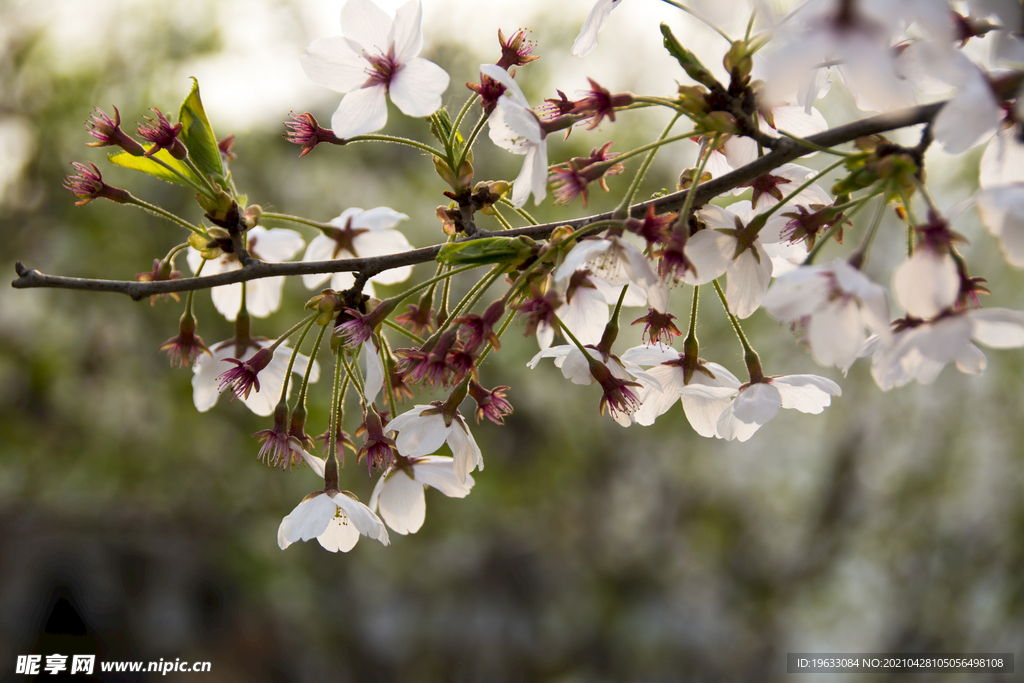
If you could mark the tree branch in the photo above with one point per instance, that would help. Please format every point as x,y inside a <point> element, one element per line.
<point>784,150</point>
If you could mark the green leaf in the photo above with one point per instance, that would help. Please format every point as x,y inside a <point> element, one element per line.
<point>175,171</point>
<point>197,134</point>
<point>486,250</point>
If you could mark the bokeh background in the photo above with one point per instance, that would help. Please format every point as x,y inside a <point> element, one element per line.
<point>133,527</point>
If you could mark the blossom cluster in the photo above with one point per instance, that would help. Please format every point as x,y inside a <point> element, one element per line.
<point>569,281</point>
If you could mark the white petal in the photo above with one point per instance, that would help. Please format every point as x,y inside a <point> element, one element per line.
<point>757,404</point>
<point>711,253</point>
<point>438,471</point>
<point>999,328</point>
<point>586,41</point>
<point>316,464</point>
<point>339,536</point>
<point>968,118</point>
<point>408,33</point>
<point>730,428</point>
<point>418,435</point>
<point>330,62</point>
<point>367,24</point>
<point>927,283</point>
<point>308,520</point>
<point>748,281</point>
<point>402,504</point>
<point>467,456</point>
<point>320,248</point>
<point>276,245</point>
<point>704,412</point>
<point>1003,160</point>
<point>806,393</point>
<point>373,370</point>
<point>361,111</point>
<point>417,87</point>
<point>362,517</point>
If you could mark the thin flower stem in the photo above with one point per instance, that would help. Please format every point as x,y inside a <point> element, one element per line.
<point>471,140</point>
<point>692,334</point>
<point>860,257</point>
<point>301,402</point>
<point>398,328</point>
<point>684,213</point>
<point>435,119</point>
<point>355,377</point>
<point>704,20</point>
<point>336,403</point>
<point>295,219</point>
<point>501,219</point>
<point>462,115</point>
<point>191,293</point>
<point>474,294</point>
<point>174,252</point>
<point>292,330</point>
<point>522,212</point>
<point>163,213</point>
<point>214,191</point>
<point>627,199</point>
<point>392,403</point>
<point>656,144</point>
<point>750,356</point>
<point>803,186</point>
<point>651,101</point>
<point>750,26</point>
<point>291,360</point>
<point>927,196</point>
<point>397,140</point>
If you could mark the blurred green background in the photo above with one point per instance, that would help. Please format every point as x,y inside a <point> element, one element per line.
<point>133,527</point>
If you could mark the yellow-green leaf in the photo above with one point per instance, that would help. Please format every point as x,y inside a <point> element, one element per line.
<point>174,172</point>
<point>197,134</point>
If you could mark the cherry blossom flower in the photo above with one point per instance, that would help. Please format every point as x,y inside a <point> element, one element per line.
<point>928,282</point>
<point>359,234</point>
<point>375,56</point>
<point>336,521</point>
<point>108,133</point>
<point>586,41</point>
<point>755,404</point>
<point>424,429</point>
<point>209,367</point>
<point>616,376</point>
<point>89,185</point>
<point>514,126</point>
<point>921,350</point>
<point>726,247</point>
<point>262,296</point>
<point>399,493</point>
<point>836,303</point>
<point>618,263</point>
<point>670,370</point>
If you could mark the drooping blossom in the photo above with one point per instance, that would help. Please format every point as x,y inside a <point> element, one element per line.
<point>262,296</point>
<point>754,404</point>
<point>513,126</point>
<point>922,349</point>
<point>424,429</point>
<point>399,493</point>
<point>836,303</point>
<point>335,520</point>
<point>358,234</point>
<point>670,368</point>
<point>209,367</point>
<point>618,263</point>
<point>375,57</point>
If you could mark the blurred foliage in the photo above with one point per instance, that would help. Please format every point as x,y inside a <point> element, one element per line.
<point>136,528</point>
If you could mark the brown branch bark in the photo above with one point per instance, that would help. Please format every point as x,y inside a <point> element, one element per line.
<point>783,151</point>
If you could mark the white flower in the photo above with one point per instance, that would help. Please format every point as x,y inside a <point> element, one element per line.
<point>514,126</point>
<point>422,430</point>
<point>1003,160</point>
<point>713,252</point>
<point>614,379</point>
<point>836,302</point>
<point>670,372</point>
<point>208,368</point>
<point>585,311</point>
<point>586,41</point>
<point>618,263</point>
<point>336,521</point>
<point>398,495</point>
<point>375,56</point>
<point>1002,210</point>
<point>262,296</point>
<point>927,283</point>
<point>359,234</point>
<point>757,403</point>
<point>919,353</point>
